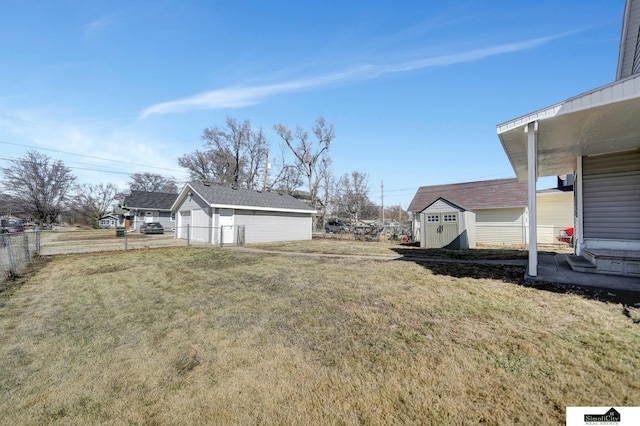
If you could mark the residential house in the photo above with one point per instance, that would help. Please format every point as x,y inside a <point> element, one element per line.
<point>596,136</point>
<point>109,221</point>
<point>141,206</point>
<point>217,214</point>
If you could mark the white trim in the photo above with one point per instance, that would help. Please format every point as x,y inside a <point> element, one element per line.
<point>618,91</point>
<point>531,130</point>
<point>264,209</point>
<point>525,120</point>
<point>594,243</point>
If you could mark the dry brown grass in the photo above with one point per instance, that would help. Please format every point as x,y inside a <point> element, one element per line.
<point>392,249</point>
<point>210,336</point>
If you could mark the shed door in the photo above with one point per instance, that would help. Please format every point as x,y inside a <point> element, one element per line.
<point>441,229</point>
<point>226,225</point>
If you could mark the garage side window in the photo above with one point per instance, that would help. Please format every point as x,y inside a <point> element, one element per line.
<point>450,218</point>
<point>433,218</point>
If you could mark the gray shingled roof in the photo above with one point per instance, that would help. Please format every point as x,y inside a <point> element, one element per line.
<point>226,195</point>
<point>149,200</point>
<point>487,194</point>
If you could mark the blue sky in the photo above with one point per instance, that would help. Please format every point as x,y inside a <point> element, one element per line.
<point>414,88</point>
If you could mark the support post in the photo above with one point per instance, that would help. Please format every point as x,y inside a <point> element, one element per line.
<point>532,153</point>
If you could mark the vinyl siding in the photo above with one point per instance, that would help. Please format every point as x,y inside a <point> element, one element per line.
<point>469,223</point>
<point>611,193</point>
<point>631,55</point>
<point>500,226</point>
<point>273,226</point>
<point>555,212</point>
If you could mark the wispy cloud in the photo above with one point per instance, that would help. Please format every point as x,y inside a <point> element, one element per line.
<point>98,26</point>
<point>239,96</point>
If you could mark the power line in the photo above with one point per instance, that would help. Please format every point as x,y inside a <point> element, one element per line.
<point>90,156</point>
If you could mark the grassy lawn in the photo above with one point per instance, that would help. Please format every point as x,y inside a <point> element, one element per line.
<point>392,249</point>
<point>210,336</point>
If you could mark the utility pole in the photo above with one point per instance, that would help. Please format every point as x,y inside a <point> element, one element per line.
<point>382,197</point>
<point>266,171</point>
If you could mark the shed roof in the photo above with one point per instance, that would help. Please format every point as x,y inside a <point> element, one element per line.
<point>486,194</point>
<point>149,200</point>
<point>226,196</point>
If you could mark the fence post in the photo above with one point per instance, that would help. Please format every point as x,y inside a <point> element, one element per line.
<point>26,247</point>
<point>37,231</point>
<point>12,262</point>
<point>188,234</point>
<point>126,240</point>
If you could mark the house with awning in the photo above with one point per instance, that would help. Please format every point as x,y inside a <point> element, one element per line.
<point>596,136</point>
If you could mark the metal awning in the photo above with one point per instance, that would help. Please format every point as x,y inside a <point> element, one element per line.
<point>603,120</point>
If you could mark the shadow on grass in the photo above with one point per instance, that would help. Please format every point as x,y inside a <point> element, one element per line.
<point>515,275</point>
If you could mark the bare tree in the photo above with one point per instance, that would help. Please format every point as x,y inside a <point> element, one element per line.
<point>202,165</point>
<point>39,184</point>
<point>352,197</point>
<point>310,156</point>
<point>94,201</point>
<point>286,176</point>
<point>236,154</point>
<point>152,182</point>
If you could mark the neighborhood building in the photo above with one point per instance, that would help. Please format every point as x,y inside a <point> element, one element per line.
<point>596,136</point>
<point>109,221</point>
<point>490,212</point>
<point>141,206</point>
<point>227,215</point>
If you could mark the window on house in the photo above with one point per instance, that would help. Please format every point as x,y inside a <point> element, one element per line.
<point>173,217</point>
<point>433,218</point>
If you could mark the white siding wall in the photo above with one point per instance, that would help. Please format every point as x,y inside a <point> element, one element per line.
<point>555,212</point>
<point>469,223</point>
<point>263,227</point>
<point>500,226</point>
<point>416,226</point>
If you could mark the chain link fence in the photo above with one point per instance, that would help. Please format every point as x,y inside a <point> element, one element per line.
<point>219,236</point>
<point>16,251</point>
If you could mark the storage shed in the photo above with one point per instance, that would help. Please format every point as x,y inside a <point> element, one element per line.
<point>446,225</point>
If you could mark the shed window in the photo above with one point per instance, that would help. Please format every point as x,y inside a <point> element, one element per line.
<point>450,218</point>
<point>433,218</point>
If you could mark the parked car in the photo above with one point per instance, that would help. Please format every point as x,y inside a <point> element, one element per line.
<point>12,228</point>
<point>566,236</point>
<point>336,227</point>
<point>151,228</point>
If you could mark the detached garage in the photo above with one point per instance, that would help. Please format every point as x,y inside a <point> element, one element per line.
<point>222,215</point>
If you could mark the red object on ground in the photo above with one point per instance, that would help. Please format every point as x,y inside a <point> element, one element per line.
<point>566,235</point>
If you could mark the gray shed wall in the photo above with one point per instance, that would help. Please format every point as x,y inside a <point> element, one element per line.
<point>263,227</point>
